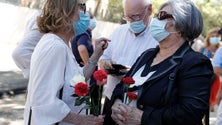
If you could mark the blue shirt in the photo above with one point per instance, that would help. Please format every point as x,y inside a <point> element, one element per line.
<point>217,60</point>
<point>82,39</point>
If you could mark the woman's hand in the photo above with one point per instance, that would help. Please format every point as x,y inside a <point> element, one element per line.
<point>83,119</point>
<point>123,114</point>
<point>100,45</point>
<point>133,115</point>
<point>119,112</point>
<point>90,120</point>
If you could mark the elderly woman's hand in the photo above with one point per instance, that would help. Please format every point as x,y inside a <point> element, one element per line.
<point>91,120</point>
<point>118,112</point>
<point>100,45</point>
<point>123,114</point>
<point>133,115</point>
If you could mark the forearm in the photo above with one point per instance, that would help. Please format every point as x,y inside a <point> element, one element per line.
<point>218,71</point>
<point>90,67</point>
<point>72,118</point>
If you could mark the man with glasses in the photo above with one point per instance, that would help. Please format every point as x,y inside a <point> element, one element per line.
<point>128,41</point>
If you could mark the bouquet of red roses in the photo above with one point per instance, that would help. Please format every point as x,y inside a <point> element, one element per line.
<point>82,92</point>
<point>129,96</point>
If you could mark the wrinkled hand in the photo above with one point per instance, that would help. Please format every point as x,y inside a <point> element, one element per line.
<point>91,120</point>
<point>119,112</point>
<point>105,64</point>
<point>133,115</point>
<point>123,114</point>
<point>100,45</point>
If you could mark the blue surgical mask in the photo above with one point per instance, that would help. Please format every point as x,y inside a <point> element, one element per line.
<point>137,27</point>
<point>92,23</point>
<point>214,40</point>
<point>157,29</point>
<point>82,24</point>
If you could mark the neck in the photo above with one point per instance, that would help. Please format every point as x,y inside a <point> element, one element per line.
<point>168,48</point>
<point>212,48</point>
<point>64,36</point>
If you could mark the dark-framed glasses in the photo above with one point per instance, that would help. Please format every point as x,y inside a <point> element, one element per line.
<point>162,15</point>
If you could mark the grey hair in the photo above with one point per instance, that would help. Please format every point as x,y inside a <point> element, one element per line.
<point>188,19</point>
<point>146,2</point>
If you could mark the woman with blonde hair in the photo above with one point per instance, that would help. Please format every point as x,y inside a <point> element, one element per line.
<point>49,100</point>
<point>212,43</point>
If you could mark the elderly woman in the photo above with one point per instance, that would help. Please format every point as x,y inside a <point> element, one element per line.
<point>49,99</point>
<point>172,82</point>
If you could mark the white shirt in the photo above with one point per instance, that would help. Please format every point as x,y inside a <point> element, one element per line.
<point>23,52</point>
<point>52,67</point>
<point>124,49</point>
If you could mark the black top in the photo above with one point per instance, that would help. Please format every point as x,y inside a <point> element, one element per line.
<point>190,94</point>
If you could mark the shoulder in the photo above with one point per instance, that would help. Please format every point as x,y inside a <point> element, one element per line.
<point>52,42</point>
<point>192,58</point>
<point>121,28</point>
<point>219,50</point>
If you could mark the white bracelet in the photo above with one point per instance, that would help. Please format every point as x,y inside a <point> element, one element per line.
<point>92,63</point>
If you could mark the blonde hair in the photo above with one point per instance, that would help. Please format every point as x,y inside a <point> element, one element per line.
<point>57,15</point>
<point>210,33</point>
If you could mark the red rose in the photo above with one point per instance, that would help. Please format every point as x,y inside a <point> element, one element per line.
<point>132,95</point>
<point>101,83</point>
<point>128,80</point>
<point>81,89</point>
<point>100,75</point>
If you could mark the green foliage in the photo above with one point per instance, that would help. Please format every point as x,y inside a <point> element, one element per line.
<point>210,9</point>
<point>211,12</point>
<point>115,11</point>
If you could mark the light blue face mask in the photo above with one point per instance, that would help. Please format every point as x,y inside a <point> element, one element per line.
<point>157,29</point>
<point>214,40</point>
<point>82,24</point>
<point>92,23</point>
<point>137,27</point>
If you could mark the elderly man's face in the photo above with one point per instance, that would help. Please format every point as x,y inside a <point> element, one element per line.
<point>135,10</point>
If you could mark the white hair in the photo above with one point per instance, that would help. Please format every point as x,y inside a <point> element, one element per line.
<point>146,2</point>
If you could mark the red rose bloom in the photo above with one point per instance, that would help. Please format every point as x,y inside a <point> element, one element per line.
<point>132,95</point>
<point>128,80</point>
<point>81,89</point>
<point>100,75</point>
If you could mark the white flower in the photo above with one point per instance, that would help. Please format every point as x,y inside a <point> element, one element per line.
<point>76,79</point>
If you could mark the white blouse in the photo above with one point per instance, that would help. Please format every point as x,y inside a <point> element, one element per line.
<point>52,67</point>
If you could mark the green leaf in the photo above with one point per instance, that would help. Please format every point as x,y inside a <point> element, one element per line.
<point>79,101</point>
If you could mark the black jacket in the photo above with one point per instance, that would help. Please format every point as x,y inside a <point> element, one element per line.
<point>188,98</point>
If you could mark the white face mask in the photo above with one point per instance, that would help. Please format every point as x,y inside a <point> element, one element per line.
<point>157,29</point>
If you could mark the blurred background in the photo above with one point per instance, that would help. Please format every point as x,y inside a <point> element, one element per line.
<point>14,15</point>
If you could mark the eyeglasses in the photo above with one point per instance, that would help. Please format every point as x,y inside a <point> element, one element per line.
<point>135,17</point>
<point>162,15</point>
